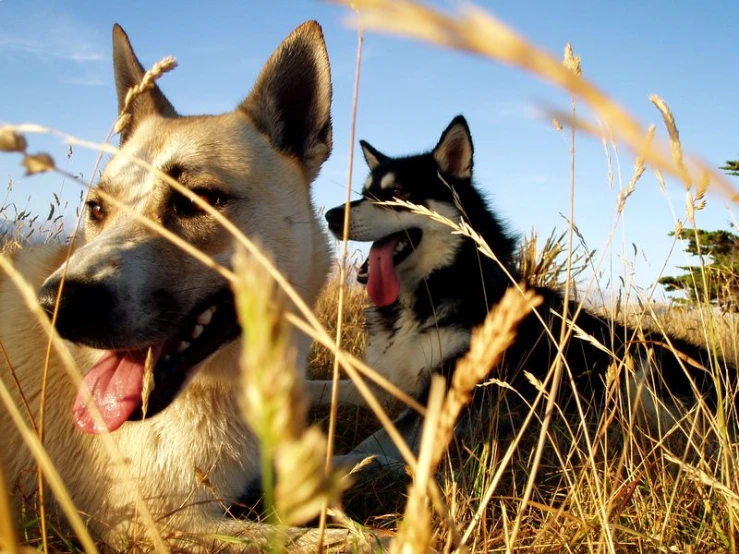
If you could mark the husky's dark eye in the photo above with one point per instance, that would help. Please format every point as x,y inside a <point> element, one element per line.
<point>95,211</point>
<point>188,208</point>
<point>398,192</point>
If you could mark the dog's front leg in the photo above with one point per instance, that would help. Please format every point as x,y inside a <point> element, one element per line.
<point>319,392</point>
<point>382,449</point>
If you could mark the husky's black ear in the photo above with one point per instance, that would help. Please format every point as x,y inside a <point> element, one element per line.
<point>372,155</point>
<point>454,151</point>
<point>128,73</point>
<point>291,100</point>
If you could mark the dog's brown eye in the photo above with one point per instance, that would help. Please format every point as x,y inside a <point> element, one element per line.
<point>188,208</point>
<point>95,210</point>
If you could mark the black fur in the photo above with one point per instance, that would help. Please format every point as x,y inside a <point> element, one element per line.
<point>472,284</point>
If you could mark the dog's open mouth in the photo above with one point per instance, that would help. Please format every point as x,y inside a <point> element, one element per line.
<point>116,381</point>
<point>379,270</point>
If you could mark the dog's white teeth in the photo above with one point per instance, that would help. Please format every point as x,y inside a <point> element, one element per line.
<point>206,316</point>
<point>400,246</point>
<point>196,331</point>
<point>184,345</point>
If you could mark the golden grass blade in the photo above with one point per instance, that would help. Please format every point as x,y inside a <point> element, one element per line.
<point>47,466</point>
<point>476,31</point>
<point>342,282</point>
<point>8,540</point>
<point>487,345</point>
<point>145,84</point>
<point>701,476</point>
<point>275,405</point>
<point>414,535</point>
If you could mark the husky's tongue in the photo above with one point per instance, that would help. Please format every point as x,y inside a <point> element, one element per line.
<point>115,383</point>
<point>383,286</point>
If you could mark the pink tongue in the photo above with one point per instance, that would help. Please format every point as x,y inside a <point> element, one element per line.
<point>115,383</point>
<point>383,286</point>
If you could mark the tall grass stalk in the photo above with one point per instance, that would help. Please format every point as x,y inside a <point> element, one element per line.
<point>571,63</point>
<point>343,264</point>
<point>8,539</point>
<point>275,407</point>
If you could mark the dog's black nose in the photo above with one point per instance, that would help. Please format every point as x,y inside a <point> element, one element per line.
<point>335,219</point>
<point>83,309</point>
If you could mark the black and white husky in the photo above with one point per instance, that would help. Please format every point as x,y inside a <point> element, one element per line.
<point>429,287</point>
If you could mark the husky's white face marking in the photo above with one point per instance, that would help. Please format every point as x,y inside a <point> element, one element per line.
<point>387,181</point>
<point>371,222</point>
<point>438,246</point>
<point>411,351</point>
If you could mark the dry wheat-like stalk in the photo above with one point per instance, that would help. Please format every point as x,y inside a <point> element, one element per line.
<point>487,345</point>
<point>274,401</point>
<point>12,141</point>
<point>274,404</point>
<point>571,61</point>
<point>342,268</point>
<point>145,85</point>
<point>475,30</point>
<point>8,540</point>
<point>639,169</point>
<point>675,147</point>
<point>462,228</point>
<point>414,533</point>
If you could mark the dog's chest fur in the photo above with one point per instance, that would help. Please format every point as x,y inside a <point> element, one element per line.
<point>405,349</point>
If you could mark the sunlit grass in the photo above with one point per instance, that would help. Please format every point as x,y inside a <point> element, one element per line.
<point>601,485</point>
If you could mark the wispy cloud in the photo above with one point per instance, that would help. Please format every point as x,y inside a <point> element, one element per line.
<point>53,45</point>
<point>58,38</point>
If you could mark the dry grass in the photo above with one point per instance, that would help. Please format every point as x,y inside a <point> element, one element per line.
<point>584,482</point>
<point>354,336</point>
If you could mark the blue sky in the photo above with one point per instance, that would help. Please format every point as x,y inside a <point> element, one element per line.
<point>55,69</point>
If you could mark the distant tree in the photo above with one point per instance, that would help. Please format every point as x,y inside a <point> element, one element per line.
<point>731,167</point>
<point>718,281</point>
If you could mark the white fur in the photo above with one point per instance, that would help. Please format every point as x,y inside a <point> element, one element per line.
<point>407,355</point>
<point>387,181</point>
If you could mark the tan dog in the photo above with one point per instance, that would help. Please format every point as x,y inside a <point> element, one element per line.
<point>128,291</point>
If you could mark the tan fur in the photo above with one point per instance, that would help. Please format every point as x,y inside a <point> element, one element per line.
<point>201,432</point>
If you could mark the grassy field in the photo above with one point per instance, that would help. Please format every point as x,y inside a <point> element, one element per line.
<point>582,482</point>
<point>596,491</point>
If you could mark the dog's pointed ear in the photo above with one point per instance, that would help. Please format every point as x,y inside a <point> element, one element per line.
<point>291,100</point>
<point>128,73</point>
<point>372,155</point>
<point>454,151</point>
